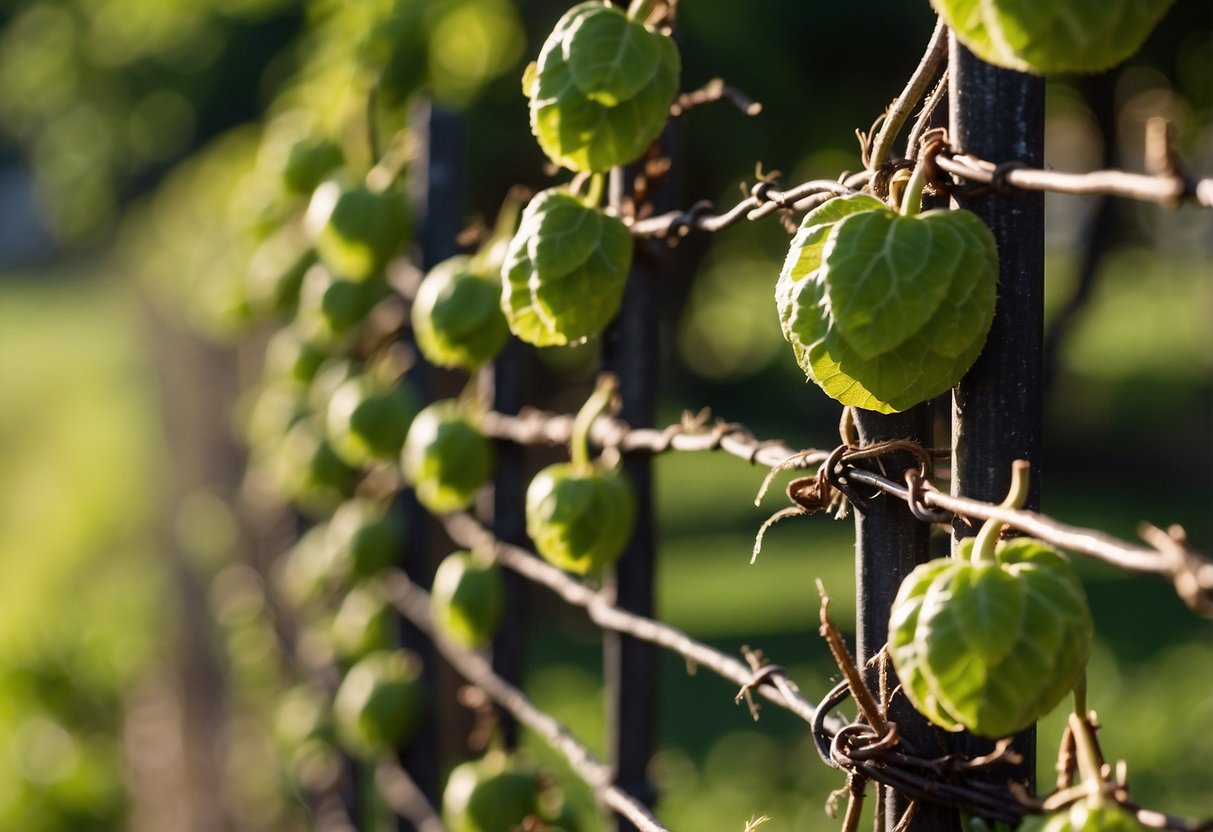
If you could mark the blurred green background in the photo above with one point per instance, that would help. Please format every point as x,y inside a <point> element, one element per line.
<point>126,554</point>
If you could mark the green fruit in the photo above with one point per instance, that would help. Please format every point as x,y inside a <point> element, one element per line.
<point>304,573</point>
<point>368,421</point>
<point>1084,816</point>
<point>884,311</point>
<point>565,270</point>
<point>363,623</point>
<point>990,646</point>
<point>275,273</point>
<point>364,538</point>
<point>580,519</point>
<point>468,597</point>
<point>309,162</point>
<point>359,229</point>
<point>331,307</point>
<point>494,794</point>
<point>307,470</point>
<point>601,90</point>
<point>291,356</point>
<point>1047,37</point>
<point>457,316</point>
<point>445,458</point>
<point>378,705</point>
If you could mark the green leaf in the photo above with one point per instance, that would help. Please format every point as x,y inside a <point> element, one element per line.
<point>885,311</point>
<point>1048,37</point>
<point>610,57</point>
<point>565,270</point>
<point>990,647</point>
<point>601,90</point>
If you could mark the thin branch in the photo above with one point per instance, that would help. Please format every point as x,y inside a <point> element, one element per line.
<point>712,91</point>
<point>414,604</point>
<point>916,89</point>
<point>467,532</point>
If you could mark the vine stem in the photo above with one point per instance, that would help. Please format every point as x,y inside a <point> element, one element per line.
<point>595,406</point>
<point>916,89</point>
<point>1090,766</point>
<point>911,201</point>
<point>987,538</point>
<point>639,9</point>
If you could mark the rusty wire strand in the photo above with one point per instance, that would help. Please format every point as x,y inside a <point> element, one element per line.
<point>1167,553</point>
<point>465,531</point>
<point>1164,188</point>
<point>404,797</point>
<point>414,604</point>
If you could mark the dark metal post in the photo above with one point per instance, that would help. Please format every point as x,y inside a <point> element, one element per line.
<point>889,543</point>
<point>509,524</point>
<point>438,197</point>
<point>630,350</point>
<point>998,115</point>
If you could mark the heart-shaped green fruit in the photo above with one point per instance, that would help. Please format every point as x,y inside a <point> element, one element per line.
<point>565,270</point>
<point>601,90</point>
<point>468,598</point>
<point>364,537</point>
<point>457,316</point>
<point>308,162</point>
<point>331,307</point>
<point>990,646</point>
<point>1047,37</point>
<point>379,703</point>
<point>445,458</point>
<point>363,623</point>
<point>494,794</point>
<point>304,467</point>
<point>368,420</point>
<point>579,518</point>
<point>1083,816</point>
<point>357,230</point>
<point>884,311</point>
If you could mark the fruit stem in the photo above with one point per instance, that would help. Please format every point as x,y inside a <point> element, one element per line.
<point>911,200</point>
<point>595,406</point>
<point>488,259</point>
<point>594,188</point>
<point>987,538</point>
<point>1090,762</point>
<point>639,9</point>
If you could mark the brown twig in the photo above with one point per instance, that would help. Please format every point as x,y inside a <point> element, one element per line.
<point>404,797</point>
<point>916,89</point>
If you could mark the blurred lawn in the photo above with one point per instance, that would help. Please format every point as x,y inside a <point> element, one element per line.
<point>80,589</point>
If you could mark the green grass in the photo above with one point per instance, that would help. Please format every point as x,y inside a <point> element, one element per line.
<point>79,468</point>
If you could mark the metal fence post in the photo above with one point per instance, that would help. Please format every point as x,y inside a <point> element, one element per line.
<point>889,543</point>
<point>999,115</point>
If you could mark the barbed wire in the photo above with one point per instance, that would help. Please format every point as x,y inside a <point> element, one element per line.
<point>404,797</point>
<point>774,686</point>
<point>694,432</point>
<point>1168,186</point>
<point>874,752</point>
<point>413,603</point>
<point>1166,554</point>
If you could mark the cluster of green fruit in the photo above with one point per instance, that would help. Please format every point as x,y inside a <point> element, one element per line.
<point>337,429</point>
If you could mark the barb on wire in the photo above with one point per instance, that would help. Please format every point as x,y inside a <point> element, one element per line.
<point>414,604</point>
<point>712,91</point>
<point>775,687</point>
